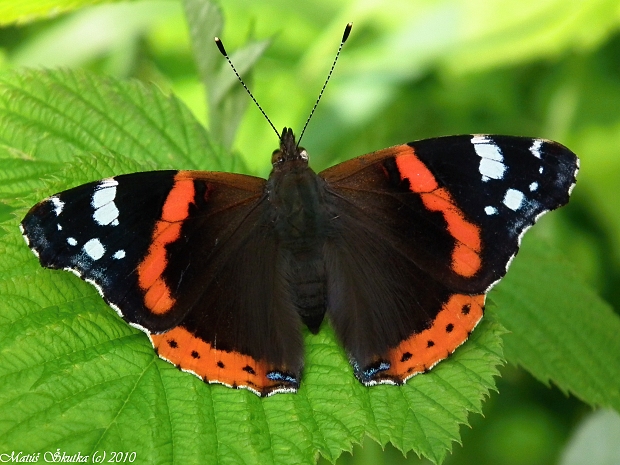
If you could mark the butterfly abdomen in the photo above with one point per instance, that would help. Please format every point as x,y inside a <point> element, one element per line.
<point>299,214</point>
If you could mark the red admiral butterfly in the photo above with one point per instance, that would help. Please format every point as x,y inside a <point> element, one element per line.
<point>398,248</point>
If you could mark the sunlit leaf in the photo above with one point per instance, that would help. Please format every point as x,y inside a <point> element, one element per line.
<point>560,331</point>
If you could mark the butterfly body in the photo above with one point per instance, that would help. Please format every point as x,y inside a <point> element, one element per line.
<point>396,249</point>
<point>301,219</point>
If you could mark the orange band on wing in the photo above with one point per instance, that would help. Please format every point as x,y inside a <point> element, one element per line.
<point>181,196</point>
<point>451,328</point>
<point>234,369</point>
<point>412,168</point>
<point>466,253</point>
<point>158,297</point>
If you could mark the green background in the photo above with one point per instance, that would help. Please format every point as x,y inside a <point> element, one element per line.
<point>410,70</point>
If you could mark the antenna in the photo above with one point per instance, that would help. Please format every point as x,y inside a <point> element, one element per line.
<point>345,36</point>
<point>222,50</point>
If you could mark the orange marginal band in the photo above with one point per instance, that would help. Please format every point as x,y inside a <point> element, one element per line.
<point>190,353</point>
<point>157,295</point>
<point>466,253</point>
<point>451,328</point>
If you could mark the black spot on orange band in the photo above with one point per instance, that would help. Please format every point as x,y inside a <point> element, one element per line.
<point>220,366</point>
<point>249,369</point>
<point>449,330</point>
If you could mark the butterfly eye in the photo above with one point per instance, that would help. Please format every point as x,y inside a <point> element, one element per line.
<point>276,157</point>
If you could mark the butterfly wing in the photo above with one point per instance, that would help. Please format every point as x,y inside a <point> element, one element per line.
<point>185,256</point>
<point>425,230</point>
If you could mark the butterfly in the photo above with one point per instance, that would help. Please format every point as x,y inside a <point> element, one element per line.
<point>397,249</point>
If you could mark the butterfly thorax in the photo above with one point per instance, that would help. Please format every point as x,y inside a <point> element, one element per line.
<point>296,196</point>
<point>299,216</point>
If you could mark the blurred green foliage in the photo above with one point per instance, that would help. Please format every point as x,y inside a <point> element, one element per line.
<point>410,70</point>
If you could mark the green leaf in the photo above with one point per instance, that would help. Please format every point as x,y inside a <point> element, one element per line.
<point>74,376</point>
<point>227,100</point>
<point>56,115</point>
<point>560,331</point>
<point>19,177</point>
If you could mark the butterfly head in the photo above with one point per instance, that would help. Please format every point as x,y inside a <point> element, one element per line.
<point>288,150</point>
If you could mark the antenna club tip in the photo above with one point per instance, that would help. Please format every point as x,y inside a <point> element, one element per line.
<point>220,46</point>
<point>347,31</point>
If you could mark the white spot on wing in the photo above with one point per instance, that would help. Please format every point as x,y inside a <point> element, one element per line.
<point>533,186</point>
<point>58,205</point>
<point>109,182</point>
<point>119,254</point>
<point>513,199</point>
<point>489,210</point>
<point>106,214</point>
<point>491,169</point>
<point>479,139</point>
<point>23,231</point>
<point>486,148</point>
<point>59,227</point>
<point>94,249</point>
<point>71,241</point>
<point>103,196</point>
<point>535,148</point>
<point>491,158</point>
<point>570,189</point>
